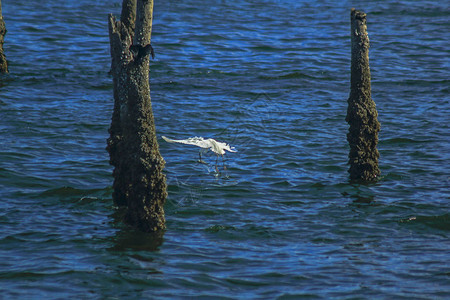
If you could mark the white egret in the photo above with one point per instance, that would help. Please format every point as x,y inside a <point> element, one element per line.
<point>217,147</point>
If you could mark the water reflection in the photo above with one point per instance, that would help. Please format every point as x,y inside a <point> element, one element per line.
<point>365,199</point>
<point>361,193</point>
<point>127,238</point>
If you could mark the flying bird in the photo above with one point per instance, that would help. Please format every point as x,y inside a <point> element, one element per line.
<point>217,147</point>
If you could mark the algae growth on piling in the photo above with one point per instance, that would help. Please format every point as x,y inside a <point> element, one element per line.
<point>362,115</point>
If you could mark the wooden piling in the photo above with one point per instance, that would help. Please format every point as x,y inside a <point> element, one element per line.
<point>361,113</point>
<point>3,62</point>
<point>139,182</point>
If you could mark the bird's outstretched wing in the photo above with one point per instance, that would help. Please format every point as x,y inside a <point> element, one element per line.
<point>211,144</point>
<point>196,141</point>
<point>139,51</point>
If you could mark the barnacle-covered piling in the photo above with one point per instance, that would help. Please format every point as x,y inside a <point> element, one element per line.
<point>139,182</point>
<point>362,115</point>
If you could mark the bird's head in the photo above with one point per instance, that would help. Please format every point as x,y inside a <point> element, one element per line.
<point>229,148</point>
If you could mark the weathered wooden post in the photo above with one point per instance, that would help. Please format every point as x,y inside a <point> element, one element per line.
<point>3,62</point>
<point>139,182</point>
<point>361,113</point>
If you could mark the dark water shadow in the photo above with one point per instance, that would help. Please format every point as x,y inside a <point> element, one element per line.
<point>363,199</point>
<point>361,192</point>
<point>131,239</point>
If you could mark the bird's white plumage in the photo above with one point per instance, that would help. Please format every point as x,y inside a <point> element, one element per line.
<point>211,144</point>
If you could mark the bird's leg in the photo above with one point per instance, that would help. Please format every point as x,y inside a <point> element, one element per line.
<point>217,160</point>
<point>223,163</point>
<point>200,157</point>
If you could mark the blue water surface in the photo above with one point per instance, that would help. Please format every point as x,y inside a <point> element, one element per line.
<point>282,221</point>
